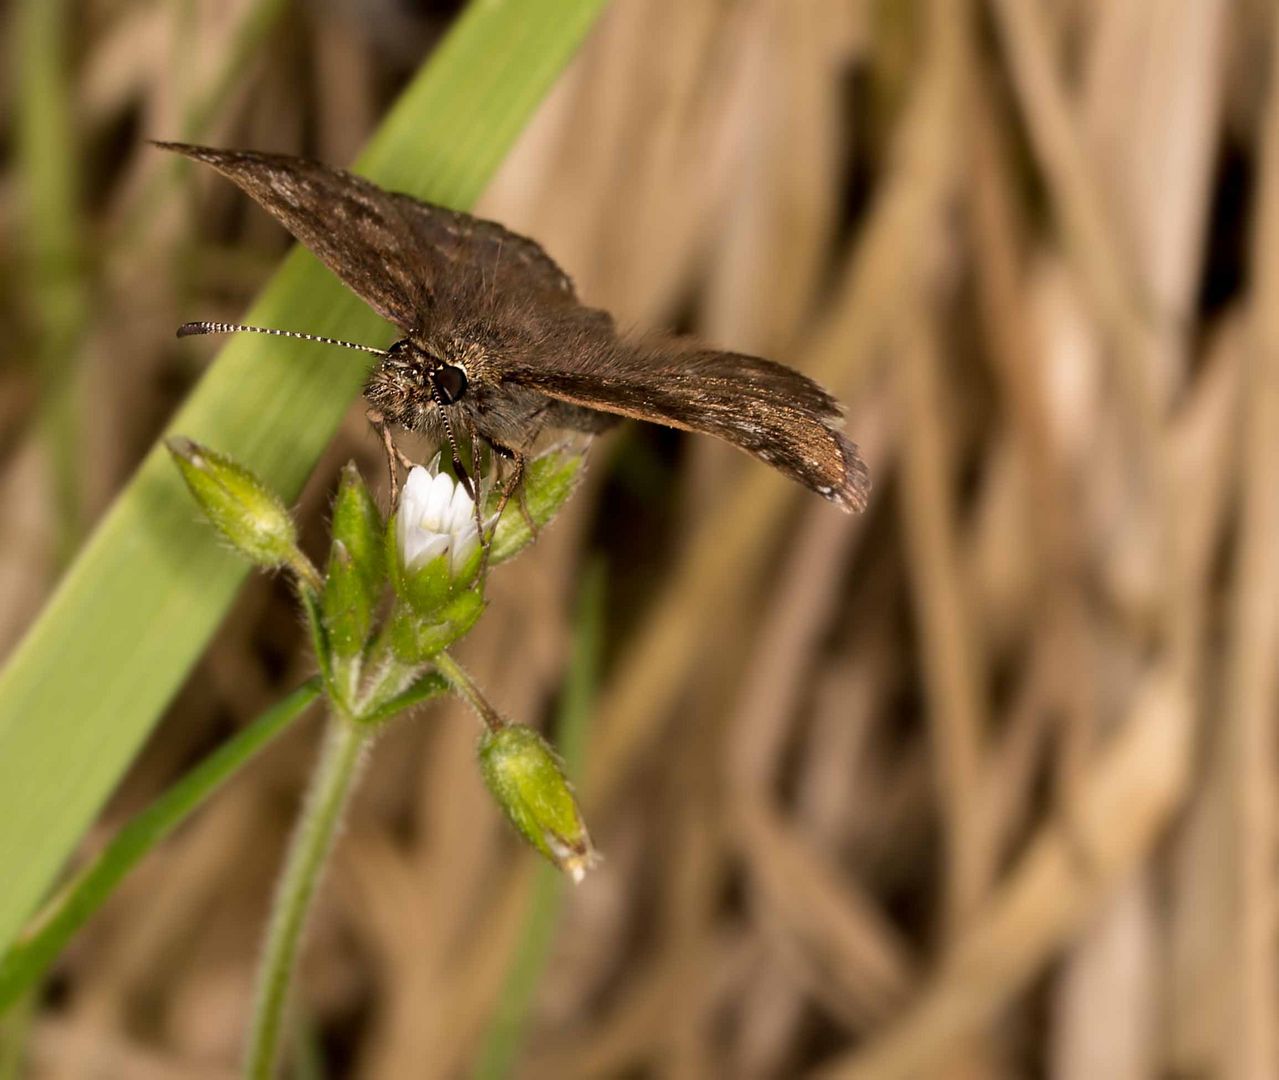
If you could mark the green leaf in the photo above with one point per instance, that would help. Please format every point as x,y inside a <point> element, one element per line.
<point>137,607</point>
<point>426,588</point>
<point>76,901</point>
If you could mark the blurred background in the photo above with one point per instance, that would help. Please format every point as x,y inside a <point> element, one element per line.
<point>980,783</point>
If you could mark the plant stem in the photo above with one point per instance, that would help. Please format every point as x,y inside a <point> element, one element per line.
<point>461,681</point>
<point>308,853</point>
<point>308,575</point>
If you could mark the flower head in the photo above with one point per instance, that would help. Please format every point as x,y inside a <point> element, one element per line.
<point>436,516</point>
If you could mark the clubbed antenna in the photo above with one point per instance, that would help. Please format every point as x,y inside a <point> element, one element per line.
<point>192,328</point>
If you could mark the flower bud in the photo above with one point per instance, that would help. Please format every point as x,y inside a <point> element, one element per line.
<point>525,776</point>
<point>347,604</point>
<point>357,525</point>
<point>356,568</point>
<point>238,504</point>
<point>548,482</point>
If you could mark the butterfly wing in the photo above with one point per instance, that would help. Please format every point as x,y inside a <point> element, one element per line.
<point>778,415</point>
<point>395,252</point>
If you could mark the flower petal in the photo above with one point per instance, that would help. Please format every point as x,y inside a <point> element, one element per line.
<point>410,541</point>
<point>408,517</point>
<point>423,547</point>
<point>461,509</point>
<point>416,487</point>
<point>435,509</point>
<point>465,541</point>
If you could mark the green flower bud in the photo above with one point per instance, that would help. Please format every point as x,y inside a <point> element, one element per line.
<point>525,776</point>
<point>347,604</point>
<point>548,482</point>
<point>357,524</point>
<point>239,505</point>
<point>357,567</point>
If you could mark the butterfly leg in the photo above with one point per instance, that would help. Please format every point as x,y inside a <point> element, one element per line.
<point>514,484</point>
<point>459,470</point>
<point>395,457</point>
<point>479,498</point>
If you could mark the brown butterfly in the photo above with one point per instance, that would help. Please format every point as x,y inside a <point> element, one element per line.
<point>497,348</point>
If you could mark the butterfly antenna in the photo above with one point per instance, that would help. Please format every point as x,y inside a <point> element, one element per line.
<point>193,328</point>
<point>463,477</point>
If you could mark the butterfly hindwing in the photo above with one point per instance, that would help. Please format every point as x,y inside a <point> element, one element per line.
<point>776,414</point>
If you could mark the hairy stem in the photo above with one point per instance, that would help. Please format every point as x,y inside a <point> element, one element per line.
<point>308,853</point>
<point>462,683</point>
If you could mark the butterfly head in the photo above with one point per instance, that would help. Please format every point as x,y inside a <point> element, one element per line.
<point>412,382</point>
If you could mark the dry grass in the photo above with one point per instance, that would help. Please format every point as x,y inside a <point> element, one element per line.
<point>982,783</point>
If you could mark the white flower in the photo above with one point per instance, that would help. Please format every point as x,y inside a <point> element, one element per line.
<point>436,516</point>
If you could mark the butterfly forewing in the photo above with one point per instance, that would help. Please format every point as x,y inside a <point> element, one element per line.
<point>392,250</point>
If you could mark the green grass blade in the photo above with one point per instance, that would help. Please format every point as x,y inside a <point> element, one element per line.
<point>137,607</point>
<point>506,1032</point>
<point>73,904</point>
<point>15,1034</point>
<point>50,235</point>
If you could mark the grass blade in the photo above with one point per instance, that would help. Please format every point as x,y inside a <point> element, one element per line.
<point>52,253</point>
<point>76,901</point>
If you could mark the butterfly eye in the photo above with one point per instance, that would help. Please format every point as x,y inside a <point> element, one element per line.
<point>450,383</point>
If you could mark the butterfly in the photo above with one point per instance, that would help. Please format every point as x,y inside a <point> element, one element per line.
<point>496,347</point>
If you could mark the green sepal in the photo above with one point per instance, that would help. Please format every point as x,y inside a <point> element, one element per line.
<point>320,643</point>
<point>357,525</point>
<point>348,603</point>
<point>464,610</point>
<point>238,504</point>
<point>430,685</point>
<point>414,639</point>
<point>527,779</point>
<point>548,482</point>
<point>427,589</point>
<point>467,572</point>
